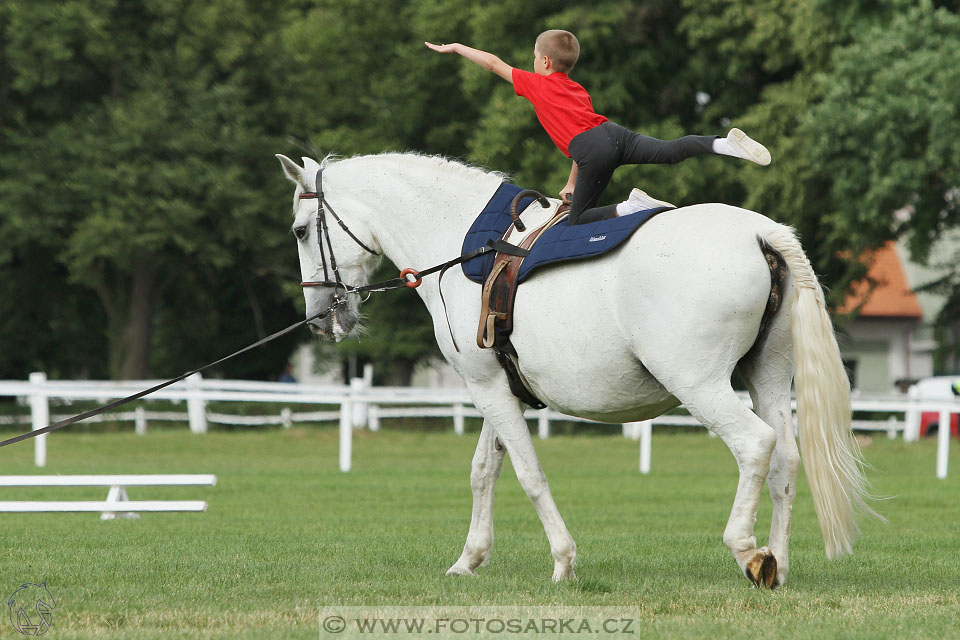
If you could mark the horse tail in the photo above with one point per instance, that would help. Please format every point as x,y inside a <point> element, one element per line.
<point>831,455</point>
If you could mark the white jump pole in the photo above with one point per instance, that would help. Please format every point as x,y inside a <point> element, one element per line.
<point>40,416</point>
<point>943,444</point>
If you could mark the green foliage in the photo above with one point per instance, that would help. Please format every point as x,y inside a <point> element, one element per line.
<point>886,130</point>
<point>134,138</point>
<point>145,221</point>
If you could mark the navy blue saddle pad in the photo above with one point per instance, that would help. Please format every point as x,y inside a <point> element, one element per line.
<point>560,243</point>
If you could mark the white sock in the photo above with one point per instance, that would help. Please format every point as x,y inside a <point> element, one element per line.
<point>723,147</point>
<point>625,208</point>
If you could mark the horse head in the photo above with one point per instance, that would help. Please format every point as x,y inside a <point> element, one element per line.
<point>337,252</point>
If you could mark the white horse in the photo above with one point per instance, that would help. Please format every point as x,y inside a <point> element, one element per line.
<point>663,320</point>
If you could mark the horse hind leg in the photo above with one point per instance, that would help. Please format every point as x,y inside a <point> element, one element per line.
<point>484,473</point>
<point>751,441</point>
<point>768,375</point>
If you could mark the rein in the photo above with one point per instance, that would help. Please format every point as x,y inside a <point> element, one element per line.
<point>408,278</point>
<point>411,278</point>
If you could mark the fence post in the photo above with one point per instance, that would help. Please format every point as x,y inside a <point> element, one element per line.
<point>543,423</point>
<point>40,416</point>
<point>346,433</point>
<point>374,416</point>
<point>911,426</point>
<point>646,437</point>
<point>140,420</point>
<point>943,444</point>
<point>892,428</point>
<point>458,418</point>
<point>196,405</point>
<point>359,418</point>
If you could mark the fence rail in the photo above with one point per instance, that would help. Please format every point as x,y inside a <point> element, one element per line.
<point>360,405</point>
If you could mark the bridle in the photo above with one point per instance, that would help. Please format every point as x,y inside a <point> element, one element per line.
<point>323,236</point>
<point>408,277</point>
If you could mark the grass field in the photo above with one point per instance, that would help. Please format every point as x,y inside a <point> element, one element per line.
<point>287,533</point>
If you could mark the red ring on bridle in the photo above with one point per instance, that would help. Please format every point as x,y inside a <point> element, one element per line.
<point>413,284</point>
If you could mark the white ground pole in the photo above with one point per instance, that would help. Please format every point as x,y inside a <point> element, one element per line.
<point>117,503</point>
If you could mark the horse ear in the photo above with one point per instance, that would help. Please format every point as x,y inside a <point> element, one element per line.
<point>293,170</point>
<point>310,166</point>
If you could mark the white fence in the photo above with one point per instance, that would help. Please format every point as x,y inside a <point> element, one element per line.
<point>361,405</point>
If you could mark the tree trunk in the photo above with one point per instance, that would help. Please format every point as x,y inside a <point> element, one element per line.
<point>131,350</point>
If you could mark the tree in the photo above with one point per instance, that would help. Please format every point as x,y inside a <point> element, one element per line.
<point>885,133</point>
<point>142,127</point>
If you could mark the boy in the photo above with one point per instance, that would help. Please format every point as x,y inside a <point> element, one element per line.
<point>596,145</point>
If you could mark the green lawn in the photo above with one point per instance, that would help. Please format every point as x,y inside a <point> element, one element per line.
<point>287,533</point>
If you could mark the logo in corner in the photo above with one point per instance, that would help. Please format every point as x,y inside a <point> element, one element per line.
<point>597,238</point>
<point>30,608</point>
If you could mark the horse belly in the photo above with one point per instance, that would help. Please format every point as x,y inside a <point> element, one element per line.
<point>577,362</point>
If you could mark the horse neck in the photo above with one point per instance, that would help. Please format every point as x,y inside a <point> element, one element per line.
<point>418,207</point>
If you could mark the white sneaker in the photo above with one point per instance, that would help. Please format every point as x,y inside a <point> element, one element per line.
<point>640,201</point>
<point>748,148</point>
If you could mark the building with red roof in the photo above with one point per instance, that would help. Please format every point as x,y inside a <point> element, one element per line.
<point>886,344</point>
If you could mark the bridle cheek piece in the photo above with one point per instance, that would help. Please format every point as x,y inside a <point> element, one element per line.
<point>323,238</point>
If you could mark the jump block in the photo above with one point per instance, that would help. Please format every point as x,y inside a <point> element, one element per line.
<point>117,503</point>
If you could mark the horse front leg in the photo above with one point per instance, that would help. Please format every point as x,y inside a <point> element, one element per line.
<point>505,413</point>
<point>484,473</point>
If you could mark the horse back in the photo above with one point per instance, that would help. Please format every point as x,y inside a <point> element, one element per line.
<point>691,288</point>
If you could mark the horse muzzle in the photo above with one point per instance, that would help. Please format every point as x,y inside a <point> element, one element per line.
<point>337,325</point>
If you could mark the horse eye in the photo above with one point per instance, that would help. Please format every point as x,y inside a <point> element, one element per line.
<point>300,232</point>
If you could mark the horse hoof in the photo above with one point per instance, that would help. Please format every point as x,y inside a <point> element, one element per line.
<point>563,574</point>
<point>457,570</point>
<point>761,569</point>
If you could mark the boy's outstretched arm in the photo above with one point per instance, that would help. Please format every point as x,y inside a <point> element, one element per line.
<point>486,60</point>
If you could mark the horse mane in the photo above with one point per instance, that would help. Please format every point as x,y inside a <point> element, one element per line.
<point>464,169</point>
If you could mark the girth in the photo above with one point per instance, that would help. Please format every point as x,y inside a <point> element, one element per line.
<point>500,292</point>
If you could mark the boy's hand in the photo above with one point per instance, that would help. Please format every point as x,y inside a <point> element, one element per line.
<point>567,193</point>
<point>442,48</point>
<point>486,60</point>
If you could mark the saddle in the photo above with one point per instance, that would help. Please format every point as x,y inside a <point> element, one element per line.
<point>518,252</point>
<point>500,291</point>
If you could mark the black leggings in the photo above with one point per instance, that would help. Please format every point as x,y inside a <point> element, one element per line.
<point>600,150</point>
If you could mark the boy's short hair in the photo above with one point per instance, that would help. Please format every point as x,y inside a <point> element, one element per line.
<point>561,47</point>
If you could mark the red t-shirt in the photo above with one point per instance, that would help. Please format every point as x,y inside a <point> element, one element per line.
<point>563,107</point>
